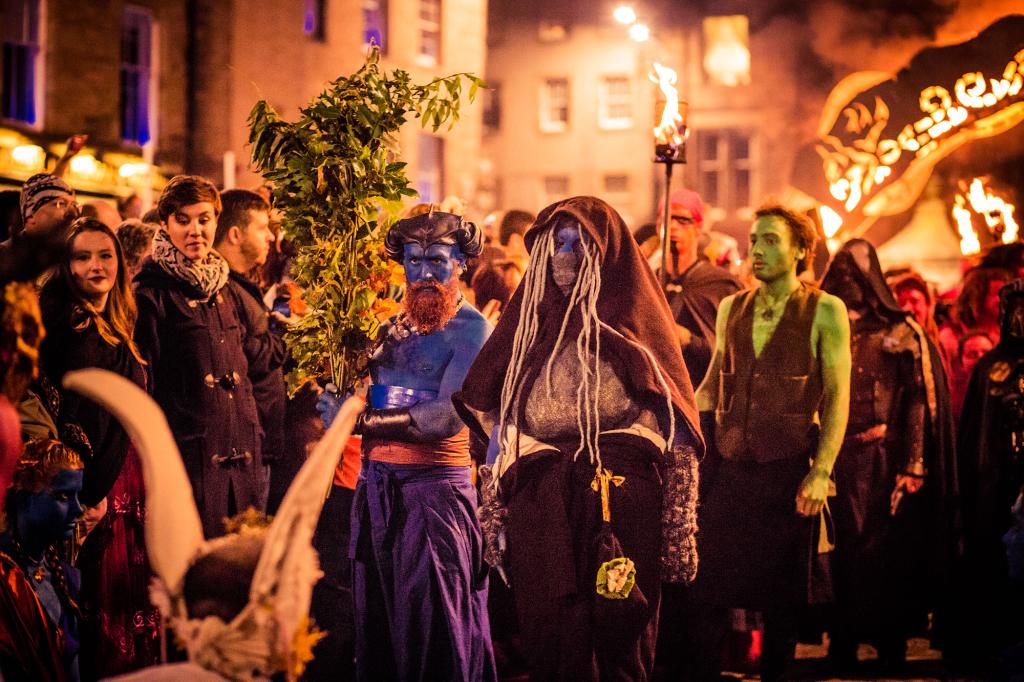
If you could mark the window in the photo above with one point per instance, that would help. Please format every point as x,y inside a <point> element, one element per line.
<point>616,184</point>
<point>554,105</point>
<point>615,103</point>
<point>375,24</point>
<point>553,188</point>
<point>136,74</point>
<point>430,32</point>
<point>313,14</point>
<point>492,108</point>
<point>727,51</point>
<point>430,169</point>
<point>21,60</point>
<point>724,167</point>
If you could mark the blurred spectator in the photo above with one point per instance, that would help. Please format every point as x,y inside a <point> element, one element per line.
<point>152,216</point>
<point>493,287</point>
<point>1009,257</point>
<point>971,348</point>
<point>915,296</point>
<point>647,239</point>
<point>977,307</point>
<point>130,206</point>
<point>74,144</point>
<point>102,211</point>
<point>47,205</point>
<point>724,251</point>
<point>244,239</point>
<point>10,213</point>
<point>513,227</point>
<point>136,239</point>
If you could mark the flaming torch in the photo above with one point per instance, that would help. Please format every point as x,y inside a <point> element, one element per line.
<point>669,146</point>
<point>996,212</point>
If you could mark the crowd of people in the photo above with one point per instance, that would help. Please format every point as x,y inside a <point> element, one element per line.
<point>836,452</point>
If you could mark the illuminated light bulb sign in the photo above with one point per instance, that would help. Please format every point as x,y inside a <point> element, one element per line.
<point>879,145</point>
<point>995,213</point>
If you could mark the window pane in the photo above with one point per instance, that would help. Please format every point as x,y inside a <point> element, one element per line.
<point>313,19</point>
<point>430,30</point>
<point>615,104</point>
<point>492,107</point>
<point>136,52</point>
<point>616,183</point>
<point>709,146</point>
<point>740,147</point>
<point>741,188</point>
<point>726,50</point>
<point>556,185</point>
<point>554,113</point>
<point>20,31</point>
<point>709,187</point>
<point>430,169</point>
<point>375,23</point>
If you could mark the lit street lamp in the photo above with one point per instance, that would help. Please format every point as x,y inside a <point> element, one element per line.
<point>639,33</point>
<point>624,14</point>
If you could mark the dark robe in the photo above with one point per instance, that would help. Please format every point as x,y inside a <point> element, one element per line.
<point>199,375</point>
<point>891,566</point>
<point>991,477</point>
<point>694,298</point>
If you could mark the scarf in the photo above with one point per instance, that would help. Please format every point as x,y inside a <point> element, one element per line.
<point>205,277</point>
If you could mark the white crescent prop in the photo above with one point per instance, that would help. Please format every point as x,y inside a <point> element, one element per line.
<point>174,533</point>
<point>288,566</point>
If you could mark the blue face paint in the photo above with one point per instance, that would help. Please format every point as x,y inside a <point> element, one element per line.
<point>50,515</point>
<point>438,263</point>
<point>565,263</point>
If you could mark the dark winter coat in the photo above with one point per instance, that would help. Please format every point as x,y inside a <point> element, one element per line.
<point>199,375</point>
<point>266,353</point>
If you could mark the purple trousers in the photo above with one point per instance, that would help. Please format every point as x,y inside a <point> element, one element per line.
<point>419,578</point>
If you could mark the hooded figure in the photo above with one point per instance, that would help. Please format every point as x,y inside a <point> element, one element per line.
<point>895,510</point>
<point>991,455</point>
<point>590,410</point>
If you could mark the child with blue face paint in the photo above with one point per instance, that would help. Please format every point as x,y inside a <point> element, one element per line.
<point>419,581</point>
<point>39,628</point>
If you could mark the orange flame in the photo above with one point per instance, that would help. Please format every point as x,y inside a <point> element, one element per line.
<point>994,210</point>
<point>667,131</point>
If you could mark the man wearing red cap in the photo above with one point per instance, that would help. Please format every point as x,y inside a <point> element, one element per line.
<point>694,286</point>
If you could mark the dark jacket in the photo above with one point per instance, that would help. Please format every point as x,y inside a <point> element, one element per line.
<point>72,344</point>
<point>694,298</point>
<point>199,374</point>
<point>266,353</point>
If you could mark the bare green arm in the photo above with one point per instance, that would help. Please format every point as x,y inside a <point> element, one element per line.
<point>833,331</point>
<point>707,394</point>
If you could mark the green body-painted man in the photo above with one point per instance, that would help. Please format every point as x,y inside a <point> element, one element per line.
<point>776,398</point>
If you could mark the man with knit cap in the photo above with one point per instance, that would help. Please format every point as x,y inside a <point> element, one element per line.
<point>695,286</point>
<point>47,203</point>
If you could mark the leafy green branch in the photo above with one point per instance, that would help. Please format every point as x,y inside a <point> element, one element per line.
<point>339,184</point>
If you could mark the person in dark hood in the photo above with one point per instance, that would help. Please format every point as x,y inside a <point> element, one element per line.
<point>991,457</point>
<point>894,479</point>
<point>589,407</point>
<point>695,286</point>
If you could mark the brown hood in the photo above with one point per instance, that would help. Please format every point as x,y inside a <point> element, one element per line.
<point>630,301</point>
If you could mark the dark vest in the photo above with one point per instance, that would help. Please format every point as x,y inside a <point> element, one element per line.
<point>768,406</point>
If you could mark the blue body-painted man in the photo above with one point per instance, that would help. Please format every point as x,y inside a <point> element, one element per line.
<point>419,579</point>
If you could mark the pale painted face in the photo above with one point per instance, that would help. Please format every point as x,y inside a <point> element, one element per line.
<point>565,263</point>
<point>773,251</point>
<point>94,266</point>
<point>192,228</point>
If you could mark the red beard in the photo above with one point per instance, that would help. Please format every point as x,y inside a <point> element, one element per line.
<point>430,305</point>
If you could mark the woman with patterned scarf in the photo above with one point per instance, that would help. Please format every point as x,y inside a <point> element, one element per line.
<point>191,334</point>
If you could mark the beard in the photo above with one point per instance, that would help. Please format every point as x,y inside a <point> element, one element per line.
<point>430,305</point>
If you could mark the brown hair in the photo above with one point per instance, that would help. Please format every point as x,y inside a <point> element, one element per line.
<point>116,322</point>
<point>236,204</point>
<point>185,190</point>
<point>975,291</point>
<point>135,236</point>
<point>800,227</point>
